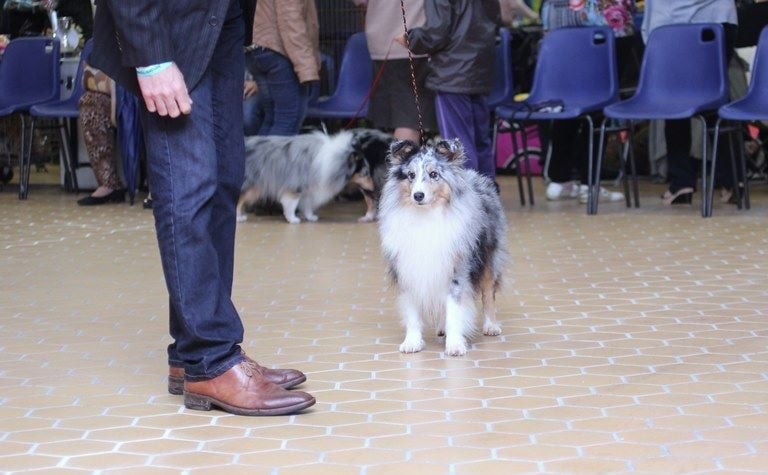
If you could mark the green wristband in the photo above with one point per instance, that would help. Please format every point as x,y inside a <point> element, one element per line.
<point>154,69</point>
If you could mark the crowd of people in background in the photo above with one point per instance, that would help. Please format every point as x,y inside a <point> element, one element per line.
<point>451,46</point>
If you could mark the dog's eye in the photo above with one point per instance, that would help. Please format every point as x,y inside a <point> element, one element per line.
<point>433,175</point>
<point>411,175</point>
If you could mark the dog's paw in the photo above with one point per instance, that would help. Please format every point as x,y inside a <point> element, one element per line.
<point>456,348</point>
<point>241,218</point>
<point>312,217</point>
<point>412,346</point>
<point>293,220</point>
<point>368,218</point>
<point>492,329</point>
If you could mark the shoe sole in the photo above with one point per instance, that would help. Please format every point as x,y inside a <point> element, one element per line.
<point>198,402</point>
<point>176,384</point>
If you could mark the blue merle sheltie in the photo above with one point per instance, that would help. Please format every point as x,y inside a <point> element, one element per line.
<point>443,233</point>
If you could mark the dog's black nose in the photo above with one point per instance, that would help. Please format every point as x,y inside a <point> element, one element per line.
<point>418,196</point>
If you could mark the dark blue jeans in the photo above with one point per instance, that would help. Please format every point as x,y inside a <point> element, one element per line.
<point>468,118</point>
<point>196,167</point>
<point>283,98</point>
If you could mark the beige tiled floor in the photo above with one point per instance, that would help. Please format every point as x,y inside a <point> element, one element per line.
<point>634,341</point>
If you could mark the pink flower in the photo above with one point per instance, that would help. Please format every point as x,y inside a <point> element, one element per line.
<point>576,5</point>
<point>616,17</point>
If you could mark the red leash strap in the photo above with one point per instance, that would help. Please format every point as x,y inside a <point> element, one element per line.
<point>374,84</point>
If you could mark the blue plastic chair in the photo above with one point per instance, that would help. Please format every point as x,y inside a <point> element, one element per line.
<point>683,75</point>
<point>503,85</point>
<point>63,110</point>
<point>353,83</point>
<point>503,93</point>
<point>577,67</point>
<point>753,106</point>
<point>29,75</point>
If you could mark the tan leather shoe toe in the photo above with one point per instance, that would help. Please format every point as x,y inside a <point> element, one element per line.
<point>285,378</point>
<point>243,390</point>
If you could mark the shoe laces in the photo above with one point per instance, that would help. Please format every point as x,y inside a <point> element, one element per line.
<point>251,368</point>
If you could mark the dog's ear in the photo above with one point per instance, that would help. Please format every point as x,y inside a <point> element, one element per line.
<point>401,150</point>
<point>451,150</point>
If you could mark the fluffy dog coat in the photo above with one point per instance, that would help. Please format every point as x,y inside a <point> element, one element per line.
<point>301,172</point>
<point>443,233</point>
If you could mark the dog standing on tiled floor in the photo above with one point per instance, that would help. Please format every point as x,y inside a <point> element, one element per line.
<point>443,233</point>
<point>301,172</point>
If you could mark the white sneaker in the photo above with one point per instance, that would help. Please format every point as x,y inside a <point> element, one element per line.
<point>564,191</point>
<point>605,196</point>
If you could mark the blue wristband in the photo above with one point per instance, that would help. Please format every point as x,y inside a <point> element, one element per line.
<point>154,69</point>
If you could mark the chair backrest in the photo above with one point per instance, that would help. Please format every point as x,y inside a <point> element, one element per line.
<point>684,61</point>
<point>29,71</point>
<point>577,65</point>
<point>356,70</point>
<point>79,87</point>
<point>758,83</point>
<point>503,87</point>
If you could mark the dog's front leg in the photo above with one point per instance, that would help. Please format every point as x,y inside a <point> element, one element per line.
<point>459,317</point>
<point>414,341</point>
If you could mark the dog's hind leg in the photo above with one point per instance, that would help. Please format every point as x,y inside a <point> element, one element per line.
<point>414,342</point>
<point>306,209</point>
<point>247,198</point>
<point>290,202</point>
<point>491,326</point>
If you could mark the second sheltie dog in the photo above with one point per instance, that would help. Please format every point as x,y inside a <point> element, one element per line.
<point>443,234</point>
<point>302,172</point>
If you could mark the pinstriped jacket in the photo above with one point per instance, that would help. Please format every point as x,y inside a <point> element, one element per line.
<point>132,33</point>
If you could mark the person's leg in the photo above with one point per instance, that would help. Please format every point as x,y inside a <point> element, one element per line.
<point>287,98</point>
<point>454,119</point>
<point>681,167</point>
<point>481,120</point>
<point>191,180</point>
<point>253,115</point>
<point>99,138</point>
<point>266,103</point>
<point>564,137</point>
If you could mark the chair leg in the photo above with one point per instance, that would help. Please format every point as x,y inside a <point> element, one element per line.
<point>517,161</point>
<point>632,167</point>
<point>69,160</point>
<point>707,184</point>
<point>590,160</point>
<point>732,152</point>
<point>527,164</point>
<point>743,166</point>
<point>25,156</point>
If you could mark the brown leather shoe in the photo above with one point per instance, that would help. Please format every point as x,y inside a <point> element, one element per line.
<point>243,390</point>
<point>285,378</point>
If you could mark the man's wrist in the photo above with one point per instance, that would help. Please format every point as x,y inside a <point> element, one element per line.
<point>153,69</point>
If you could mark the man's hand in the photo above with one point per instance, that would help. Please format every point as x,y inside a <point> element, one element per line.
<point>165,92</point>
<point>250,88</point>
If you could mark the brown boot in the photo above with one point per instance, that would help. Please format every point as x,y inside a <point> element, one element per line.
<point>285,378</point>
<point>243,390</point>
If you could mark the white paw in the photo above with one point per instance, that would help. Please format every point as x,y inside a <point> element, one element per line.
<point>311,217</point>
<point>456,348</point>
<point>293,220</point>
<point>368,218</point>
<point>492,329</point>
<point>241,218</point>
<point>412,345</point>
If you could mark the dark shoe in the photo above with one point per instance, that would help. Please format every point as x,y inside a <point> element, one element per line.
<point>147,203</point>
<point>681,196</point>
<point>285,378</point>
<point>244,391</point>
<point>117,196</point>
